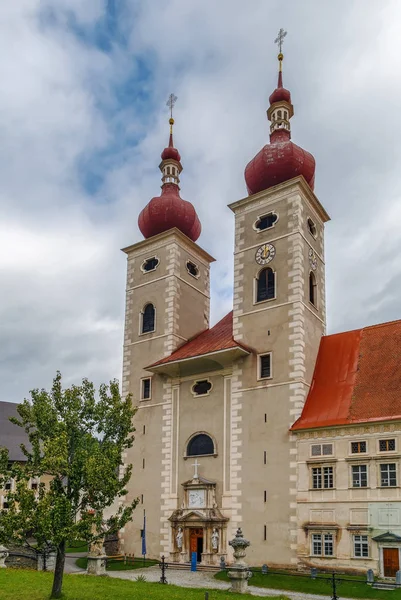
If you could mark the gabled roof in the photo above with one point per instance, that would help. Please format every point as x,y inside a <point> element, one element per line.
<point>387,537</point>
<point>216,339</point>
<point>12,436</point>
<point>357,378</point>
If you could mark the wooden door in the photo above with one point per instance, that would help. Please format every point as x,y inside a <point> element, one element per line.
<point>391,561</point>
<point>196,543</point>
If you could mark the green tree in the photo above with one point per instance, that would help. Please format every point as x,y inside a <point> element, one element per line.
<point>76,439</point>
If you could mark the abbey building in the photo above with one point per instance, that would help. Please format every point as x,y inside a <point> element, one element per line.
<point>261,421</point>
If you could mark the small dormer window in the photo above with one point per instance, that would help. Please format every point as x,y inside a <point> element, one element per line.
<point>311,227</point>
<point>192,269</point>
<point>266,221</point>
<point>150,264</point>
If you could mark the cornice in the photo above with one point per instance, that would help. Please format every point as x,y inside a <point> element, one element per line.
<point>166,237</point>
<point>281,190</point>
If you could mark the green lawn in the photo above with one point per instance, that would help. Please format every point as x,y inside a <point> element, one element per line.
<point>347,589</point>
<point>113,565</point>
<point>33,585</point>
<point>77,546</point>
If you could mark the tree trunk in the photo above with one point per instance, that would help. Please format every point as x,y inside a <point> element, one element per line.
<point>58,571</point>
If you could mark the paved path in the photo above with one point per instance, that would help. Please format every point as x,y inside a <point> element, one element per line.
<point>70,566</point>
<point>206,580</point>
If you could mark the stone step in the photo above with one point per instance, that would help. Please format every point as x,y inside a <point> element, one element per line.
<point>381,585</point>
<point>187,567</point>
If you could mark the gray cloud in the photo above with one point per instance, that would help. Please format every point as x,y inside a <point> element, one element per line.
<point>64,128</point>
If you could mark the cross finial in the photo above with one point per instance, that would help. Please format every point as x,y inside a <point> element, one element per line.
<point>170,103</point>
<point>196,465</point>
<point>280,39</point>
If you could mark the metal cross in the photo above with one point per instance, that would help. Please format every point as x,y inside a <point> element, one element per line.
<point>196,465</point>
<point>280,39</point>
<point>170,103</point>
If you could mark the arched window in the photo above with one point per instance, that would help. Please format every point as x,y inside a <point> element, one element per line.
<point>148,318</point>
<point>200,444</point>
<point>312,289</point>
<point>266,285</point>
<point>279,114</point>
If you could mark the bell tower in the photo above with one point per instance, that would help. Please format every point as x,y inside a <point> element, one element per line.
<point>279,312</point>
<point>167,303</point>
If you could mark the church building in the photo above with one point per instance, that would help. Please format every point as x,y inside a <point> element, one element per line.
<point>261,421</point>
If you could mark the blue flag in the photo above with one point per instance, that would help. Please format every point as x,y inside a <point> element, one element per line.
<point>144,535</point>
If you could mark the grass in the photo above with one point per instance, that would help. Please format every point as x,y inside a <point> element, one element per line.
<point>76,546</point>
<point>354,588</point>
<point>33,585</point>
<point>118,565</point>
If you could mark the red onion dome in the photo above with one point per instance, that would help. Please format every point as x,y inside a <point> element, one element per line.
<point>280,160</point>
<point>170,151</point>
<point>280,93</point>
<point>167,211</point>
<point>277,162</point>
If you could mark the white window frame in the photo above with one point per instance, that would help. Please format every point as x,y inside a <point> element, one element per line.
<point>195,265</point>
<point>322,535</point>
<point>11,482</point>
<point>388,471</point>
<point>141,389</point>
<point>361,543</point>
<point>259,366</point>
<point>358,442</point>
<point>198,381</point>
<point>322,476</point>
<point>142,267</point>
<point>259,217</point>
<point>140,332</point>
<point>255,286</point>
<point>386,452</point>
<point>359,487</point>
<point>321,444</point>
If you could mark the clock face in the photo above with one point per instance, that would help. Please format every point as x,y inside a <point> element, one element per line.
<point>265,254</point>
<point>196,498</point>
<point>312,259</point>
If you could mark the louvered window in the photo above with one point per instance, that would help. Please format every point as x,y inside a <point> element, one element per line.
<point>312,289</point>
<point>266,285</point>
<point>265,366</point>
<point>146,387</point>
<point>148,319</point>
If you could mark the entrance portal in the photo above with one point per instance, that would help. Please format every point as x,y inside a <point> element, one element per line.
<point>391,561</point>
<point>196,543</point>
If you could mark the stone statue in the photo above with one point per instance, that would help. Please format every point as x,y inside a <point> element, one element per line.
<point>178,538</point>
<point>3,555</point>
<point>215,539</point>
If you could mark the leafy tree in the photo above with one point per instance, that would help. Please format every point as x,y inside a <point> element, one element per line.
<point>76,443</point>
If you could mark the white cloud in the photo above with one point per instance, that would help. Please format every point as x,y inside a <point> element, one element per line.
<point>71,113</point>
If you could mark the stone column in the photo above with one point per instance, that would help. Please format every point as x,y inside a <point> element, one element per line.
<point>239,572</point>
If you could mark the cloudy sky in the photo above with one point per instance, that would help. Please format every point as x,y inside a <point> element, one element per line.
<point>82,124</point>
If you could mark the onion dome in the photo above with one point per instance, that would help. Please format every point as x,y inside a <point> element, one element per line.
<point>280,160</point>
<point>169,210</point>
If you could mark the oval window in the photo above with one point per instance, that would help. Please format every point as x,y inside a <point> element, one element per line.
<point>192,269</point>
<point>266,221</point>
<point>150,264</point>
<point>201,388</point>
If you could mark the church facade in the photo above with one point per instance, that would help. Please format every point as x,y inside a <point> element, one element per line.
<point>222,437</point>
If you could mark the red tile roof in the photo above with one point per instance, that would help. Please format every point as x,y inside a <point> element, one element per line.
<point>219,337</point>
<point>357,378</point>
